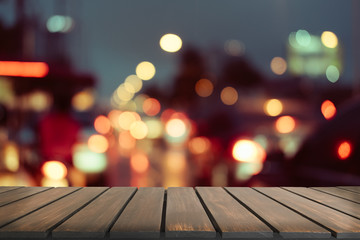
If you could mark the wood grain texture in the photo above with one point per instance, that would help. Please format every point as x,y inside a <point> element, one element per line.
<point>94,220</point>
<point>142,216</point>
<point>342,193</point>
<point>17,194</point>
<point>5,189</point>
<point>288,223</point>
<point>38,223</point>
<point>351,188</point>
<point>341,225</point>
<point>24,206</point>
<point>185,216</point>
<point>232,219</point>
<point>340,204</point>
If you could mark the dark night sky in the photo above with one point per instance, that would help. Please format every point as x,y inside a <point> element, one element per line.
<point>111,37</point>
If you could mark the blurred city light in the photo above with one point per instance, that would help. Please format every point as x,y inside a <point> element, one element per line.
<point>344,150</point>
<point>328,109</point>
<point>278,65</point>
<point>83,100</point>
<point>23,69</point>
<point>126,141</point>
<point>98,143</point>
<point>175,128</point>
<point>48,182</point>
<point>155,128</point>
<point>127,118</point>
<point>229,96</point>
<point>204,87</point>
<point>145,70</point>
<point>58,23</point>
<point>234,47</point>
<point>123,94</point>
<point>54,170</point>
<point>332,73</point>
<point>151,106</point>
<point>138,130</point>
<point>39,101</point>
<point>139,162</point>
<point>245,170</point>
<point>88,161</point>
<point>133,84</point>
<point>11,157</point>
<point>329,39</point>
<point>102,124</point>
<point>113,116</point>
<point>303,38</point>
<point>170,42</point>
<point>199,145</point>
<point>273,107</point>
<point>285,124</point>
<point>248,151</point>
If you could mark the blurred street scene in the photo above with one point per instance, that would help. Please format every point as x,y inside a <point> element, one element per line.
<point>192,93</point>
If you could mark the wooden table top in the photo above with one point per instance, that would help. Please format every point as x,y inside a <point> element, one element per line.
<point>180,213</point>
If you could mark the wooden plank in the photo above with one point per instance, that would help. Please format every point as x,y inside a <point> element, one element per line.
<point>351,188</point>
<point>278,216</point>
<point>25,206</point>
<point>5,189</point>
<point>340,224</point>
<point>231,218</point>
<point>20,193</point>
<point>185,216</point>
<point>142,216</point>
<point>39,223</point>
<point>342,193</point>
<point>340,204</point>
<point>94,220</point>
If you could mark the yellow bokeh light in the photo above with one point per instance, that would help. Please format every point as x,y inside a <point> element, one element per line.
<point>133,84</point>
<point>199,145</point>
<point>285,124</point>
<point>127,118</point>
<point>83,101</point>
<point>98,143</point>
<point>39,101</point>
<point>170,42</point>
<point>139,130</point>
<point>145,70</point>
<point>175,127</point>
<point>139,162</point>
<point>102,124</point>
<point>155,128</point>
<point>204,87</point>
<point>248,151</point>
<point>11,157</point>
<point>54,170</point>
<point>329,39</point>
<point>229,96</point>
<point>47,182</point>
<point>123,94</point>
<point>273,107</point>
<point>278,65</point>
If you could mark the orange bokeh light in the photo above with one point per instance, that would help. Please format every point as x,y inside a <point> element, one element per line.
<point>139,162</point>
<point>204,87</point>
<point>54,170</point>
<point>344,150</point>
<point>98,143</point>
<point>328,109</point>
<point>151,106</point>
<point>126,141</point>
<point>23,69</point>
<point>102,124</point>
<point>285,124</point>
<point>199,145</point>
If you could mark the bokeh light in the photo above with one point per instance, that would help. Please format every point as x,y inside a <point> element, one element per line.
<point>127,118</point>
<point>199,145</point>
<point>58,23</point>
<point>126,140</point>
<point>303,38</point>
<point>273,107</point>
<point>328,109</point>
<point>139,162</point>
<point>138,130</point>
<point>83,100</point>
<point>229,96</point>
<point>123,94</point>
<point>54,170</point>
<point>98,143</point>
<point>39,101</point>
<point>175,128</point>
<point>234,47</point>
<point>329,39</point>
<point>245,150</point>
<point>204,87</point>
<point>151,106</point>
<point>278,65</point>
<point>133,84</point>
<point>332,73</point>
<point>88,161</point>
<point>245,170</point>
<point>11,157</point>
<point>23,69</point>
<point>344,150</point>
<point>285,124</point>
<point>113,116</point>
<point>145,70</point>
<point>102,124</point>
<point>170,42</point>
<point>155,128</point>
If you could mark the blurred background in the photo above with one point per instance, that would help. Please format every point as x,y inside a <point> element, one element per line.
<point>179,93</point>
